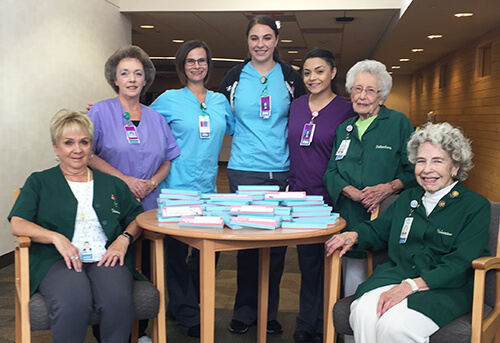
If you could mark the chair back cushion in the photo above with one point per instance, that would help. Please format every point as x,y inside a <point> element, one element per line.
<point>490,291</point>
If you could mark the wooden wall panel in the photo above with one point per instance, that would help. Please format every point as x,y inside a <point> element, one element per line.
<point>468,101</point>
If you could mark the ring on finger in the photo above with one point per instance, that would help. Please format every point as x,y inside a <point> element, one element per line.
<point>77,257</point>
<point>72,257</point>
<point>115,255</point>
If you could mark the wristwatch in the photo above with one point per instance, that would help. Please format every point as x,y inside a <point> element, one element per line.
<point>129,236</point>
<point>413,285</point>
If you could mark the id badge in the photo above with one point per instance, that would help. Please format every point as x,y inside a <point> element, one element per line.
<point>405,231</point>
<point>342,150</point>
<point>204,126</point>
<point>86,246</point>
<point>131,132</point>
<point>265,106</point>
<point>307,134</point>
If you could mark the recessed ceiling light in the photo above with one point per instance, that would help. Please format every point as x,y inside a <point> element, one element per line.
<point>147,26</point>
<point>287,41</point>
<point>434,36</point>
<point>404,60</point>
<point>417,50</point>
<point>463,14</point>
<point>178,40</point>
<point>396,67</point>
<point>293,52</point>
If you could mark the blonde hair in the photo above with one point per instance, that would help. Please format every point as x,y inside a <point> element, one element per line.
<point>67,120</point>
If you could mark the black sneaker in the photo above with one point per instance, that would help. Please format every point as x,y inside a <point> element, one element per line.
<point>238,327</point>
<point>274,327</point>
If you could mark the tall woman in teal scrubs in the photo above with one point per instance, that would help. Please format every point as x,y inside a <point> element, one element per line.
<point>198,118</point>
<point>260,91</point>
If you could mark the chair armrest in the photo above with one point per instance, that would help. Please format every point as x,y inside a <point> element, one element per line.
<point>484,329</point>
<point>486,263</point>
<point>23,242</point>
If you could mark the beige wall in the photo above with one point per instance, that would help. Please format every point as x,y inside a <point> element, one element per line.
<point>53,55</point>
<point>468,101</point>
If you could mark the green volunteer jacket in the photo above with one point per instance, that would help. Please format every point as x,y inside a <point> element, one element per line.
<point>440,249</point>
<point>47,200</point>
<point>379,157</point>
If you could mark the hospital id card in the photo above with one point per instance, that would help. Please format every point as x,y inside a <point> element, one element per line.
<point>307,134</point>
<point>405,231</point>
<point>204,126</point>
<point>342,150</point>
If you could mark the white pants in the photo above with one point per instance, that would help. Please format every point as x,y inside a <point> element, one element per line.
<point>398,324</point>
<point>354,272</point>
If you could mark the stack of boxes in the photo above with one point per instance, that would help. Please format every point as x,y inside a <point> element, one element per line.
<point>260,207</point>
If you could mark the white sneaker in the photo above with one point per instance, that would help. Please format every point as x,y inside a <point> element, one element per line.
<point>144,339</point>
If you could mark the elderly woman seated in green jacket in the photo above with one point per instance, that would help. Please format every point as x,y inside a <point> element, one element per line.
<point>432,234</point>
<point>81,223</point>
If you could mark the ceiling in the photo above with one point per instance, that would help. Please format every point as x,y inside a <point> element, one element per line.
<point>378,34</point>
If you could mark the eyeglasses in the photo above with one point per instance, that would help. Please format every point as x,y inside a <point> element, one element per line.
<point>191,61</point>
<point>371,92</point>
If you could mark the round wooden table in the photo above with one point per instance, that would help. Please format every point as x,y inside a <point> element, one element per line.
<point>209,241</point>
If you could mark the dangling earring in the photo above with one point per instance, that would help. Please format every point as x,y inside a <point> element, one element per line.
<point>58,159</point>
<point>91,156</point>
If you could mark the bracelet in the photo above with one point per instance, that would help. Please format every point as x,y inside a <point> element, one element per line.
<point>154,183</point>
<point>129,236</point>
<point>413,285</point>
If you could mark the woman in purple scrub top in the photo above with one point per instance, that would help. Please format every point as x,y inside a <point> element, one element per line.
<point>132,141</point>
<point>311,132</point>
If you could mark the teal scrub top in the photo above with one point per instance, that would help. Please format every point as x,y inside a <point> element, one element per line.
<point>260,145</point>
<point>197,166</point>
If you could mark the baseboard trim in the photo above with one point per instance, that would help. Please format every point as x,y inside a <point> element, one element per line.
<point>7,259</point>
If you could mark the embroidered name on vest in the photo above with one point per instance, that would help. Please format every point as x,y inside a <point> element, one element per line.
<point>386,147</point>
<point>442,232</point>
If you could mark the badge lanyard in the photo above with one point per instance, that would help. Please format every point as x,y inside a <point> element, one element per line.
<point>344,146</point>
<point>204,120</point>
<point>130,130</point>
<point>265,101</point>
<point>308,131</point>
<point>85,242</point>
<point>405,231</point>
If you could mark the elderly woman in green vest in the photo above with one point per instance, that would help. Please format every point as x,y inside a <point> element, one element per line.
<point>369,160</point>
<point>432,234</point>
<point>81,223</point>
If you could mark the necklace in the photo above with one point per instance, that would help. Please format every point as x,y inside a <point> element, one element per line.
<point>86,196</point>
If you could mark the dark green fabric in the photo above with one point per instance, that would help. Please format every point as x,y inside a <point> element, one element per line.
<point>379,157</point>
<point>47,200</point>
<point>440,249</point>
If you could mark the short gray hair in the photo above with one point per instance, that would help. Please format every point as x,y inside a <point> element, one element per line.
<point>375,68</point>
<point>451,139</point>
<point>129,51</point>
